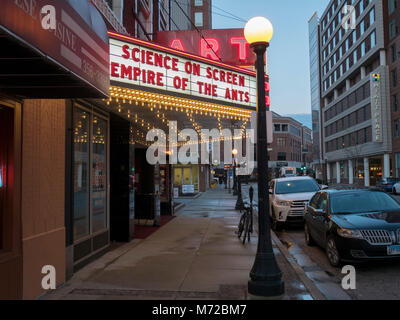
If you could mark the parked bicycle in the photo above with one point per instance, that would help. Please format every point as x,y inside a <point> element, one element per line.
<point>245,227</point>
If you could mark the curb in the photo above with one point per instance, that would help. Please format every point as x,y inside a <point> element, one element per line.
<point>308,283</point>
<point>179,207</point>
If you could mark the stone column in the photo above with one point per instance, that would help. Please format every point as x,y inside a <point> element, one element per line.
<point>348,84</point>
<point>338,172</point>
<point>351,172</point>
<point>366,172</point>
<point>386,166</point>
<point>382,57</point>
<point>328,172</point>
<point>363,72</point>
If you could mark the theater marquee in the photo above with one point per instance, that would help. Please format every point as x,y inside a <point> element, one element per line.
<point>146,66</point>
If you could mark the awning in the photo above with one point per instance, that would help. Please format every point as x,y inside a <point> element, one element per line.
<point>53,49</point>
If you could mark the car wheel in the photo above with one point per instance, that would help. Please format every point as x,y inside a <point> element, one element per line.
<point>332,252</point>
<point>276,225</point>
<point>395,191</point>
<point>309,239</point>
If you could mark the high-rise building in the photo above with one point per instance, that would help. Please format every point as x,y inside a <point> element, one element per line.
<point>355,106</point>
<point>144,18</point>
<point>313,29</point>
<point>392,25</point>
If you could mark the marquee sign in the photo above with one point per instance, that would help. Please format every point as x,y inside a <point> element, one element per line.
<point>146,66</point>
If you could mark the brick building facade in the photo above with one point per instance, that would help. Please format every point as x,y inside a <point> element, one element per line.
<point>292,143</point>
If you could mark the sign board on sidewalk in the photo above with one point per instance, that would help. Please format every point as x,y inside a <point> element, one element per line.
<point>176,192</point>
<point>188,189</point>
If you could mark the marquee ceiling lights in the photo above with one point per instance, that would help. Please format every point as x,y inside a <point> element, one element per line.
<point>160,101</point>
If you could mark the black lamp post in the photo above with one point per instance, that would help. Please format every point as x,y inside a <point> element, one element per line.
<point>239,201</point>
<point>235,189</point>
<point>266,277</point>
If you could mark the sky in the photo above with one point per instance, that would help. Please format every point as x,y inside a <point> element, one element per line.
<point>288,55</point>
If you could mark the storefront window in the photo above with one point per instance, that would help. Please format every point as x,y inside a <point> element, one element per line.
<point>187,176</point>
<point>6,166</point>
<point>99,174</point>
<point>81,173</point>
<point>358,166</point>
<point>90,173</point>
<point>375,170</point>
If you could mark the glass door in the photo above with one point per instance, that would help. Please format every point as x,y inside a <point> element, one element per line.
<point>90,168</point>
<point>99,173</point>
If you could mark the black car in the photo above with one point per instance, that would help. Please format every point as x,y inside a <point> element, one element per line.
<point>354,225</point>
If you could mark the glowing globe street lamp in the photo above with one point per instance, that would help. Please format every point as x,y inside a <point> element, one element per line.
<point>265,276</point>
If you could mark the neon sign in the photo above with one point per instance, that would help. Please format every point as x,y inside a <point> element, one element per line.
<point>228,44</point>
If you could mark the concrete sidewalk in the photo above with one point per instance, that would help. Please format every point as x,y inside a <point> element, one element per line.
<point>195,256</point>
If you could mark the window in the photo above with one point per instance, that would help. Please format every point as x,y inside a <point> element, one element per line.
<point>355,57</point>
<point>394,77</point>
<point>277,127</point>
<point>392,6</point>
<point>392,29</point>
<point>396,129</point>
<point>363,49</point>
<point>362,28</point>
<point>373,39</point>
<point>198,3</point>
<point>281,156</point>
<point>198,19</point>
<point>393,52</point>
<point>284,128</point>
<point>281,142</point>
<point>395,103</point>
<point>372,16</point>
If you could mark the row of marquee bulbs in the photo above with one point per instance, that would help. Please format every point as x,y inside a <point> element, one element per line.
<point>179,104</point>
<point>139,137</point>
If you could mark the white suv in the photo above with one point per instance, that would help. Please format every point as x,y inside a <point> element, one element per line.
<point>288,198</point>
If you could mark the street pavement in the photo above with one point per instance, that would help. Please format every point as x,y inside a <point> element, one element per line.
<point>374,280</point>
<point>195,256</point>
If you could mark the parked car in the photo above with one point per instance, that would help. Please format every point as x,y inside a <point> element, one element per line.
<point>387,184</point>
<point>396,188</point>
<point>288,197</point>
<point>354,225</point>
